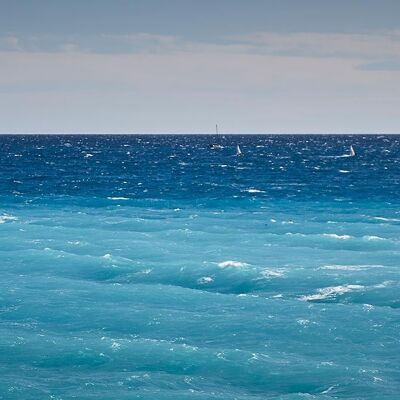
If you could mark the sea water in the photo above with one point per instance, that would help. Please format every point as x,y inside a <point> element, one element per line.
<point>155,267</point>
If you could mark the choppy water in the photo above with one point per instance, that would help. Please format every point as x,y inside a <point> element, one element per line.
<point>152,267</point>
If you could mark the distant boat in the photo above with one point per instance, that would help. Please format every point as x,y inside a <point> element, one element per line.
<point>216,145</point>
<point>352,152</point>
<point>238,151</point>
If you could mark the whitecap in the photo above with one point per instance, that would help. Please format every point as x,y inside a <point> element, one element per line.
<point>118,198</point>
<point>115,346</point>
<point>303,322</point>
<point>5,217</point>
<point>329,389</point>
<point>335,236</point>
<point>231,263</point>
<point>373,238</point>
<point>331,292</point>
<point>350,267</point>
<point>383,285</point>
<point>74,242</point>
<point>343,171</point>
<point>368,307</point>
<point>252,190</point>
<point>272,273</point>
<point>204,280</point>
<point>387,219</point>
<point>145,271</point>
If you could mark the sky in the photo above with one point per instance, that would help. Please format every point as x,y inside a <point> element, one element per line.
<point>182,66</point>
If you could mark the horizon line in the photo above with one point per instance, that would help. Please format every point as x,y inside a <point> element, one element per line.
<point>196,133</point>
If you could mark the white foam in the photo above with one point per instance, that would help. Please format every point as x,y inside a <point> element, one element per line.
<point>361,267</point>
<point>383,285</point>
<point>387,219</point>
<point>145,271</point>
<point>329,389</point>
<point>272,273</point>
<point>118,198</point>
<point>368,307</point>
<point>252,190</point>
<point>373,238</point>
<point>231,263</point>
<point>204,280</point>
<point>335,236</point>
<point>303,322</point>
<point>331,292</point>
<point>5,218</point>
<point>343,171</point>
<point>115,346</point>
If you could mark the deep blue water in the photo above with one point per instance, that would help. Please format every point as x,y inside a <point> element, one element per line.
<point>153,267</point>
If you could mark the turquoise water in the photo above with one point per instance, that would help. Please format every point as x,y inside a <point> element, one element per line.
<point>153,267</point>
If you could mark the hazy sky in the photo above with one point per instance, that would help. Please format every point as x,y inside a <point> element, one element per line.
<point>185,65</point>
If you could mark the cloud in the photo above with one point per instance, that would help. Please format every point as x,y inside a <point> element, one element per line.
<point>375,45</point>
<point>387,65</point>
<point>332,45</point>
<point>96,44</point>
<point>262,82</point>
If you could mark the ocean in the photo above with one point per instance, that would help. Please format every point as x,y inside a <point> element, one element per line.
<point>155,267</point>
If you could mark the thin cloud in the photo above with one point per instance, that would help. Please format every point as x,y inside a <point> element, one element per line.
<point>332,45</point>
<point>365,46</point>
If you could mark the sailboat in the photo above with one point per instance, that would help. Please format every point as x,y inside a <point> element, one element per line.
<point>216,145</point>
<point>238,151</point>
<point>352,152</point>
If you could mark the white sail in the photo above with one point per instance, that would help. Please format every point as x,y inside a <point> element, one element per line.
<point>238,151</point>
<point>352,152</point>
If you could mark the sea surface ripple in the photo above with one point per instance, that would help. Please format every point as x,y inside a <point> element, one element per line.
<point>155,267</point>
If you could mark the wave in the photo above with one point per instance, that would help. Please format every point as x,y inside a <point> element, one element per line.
<point>118,198</point>
<point>336,236</point>
<point>331,292</point>
<point>231,263</point>
<point>204,280</point>
<point>350,267</point>
<point>252,190</point>
<point>6,218</point>
<point>368,237</point>
<point>387,219</point>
